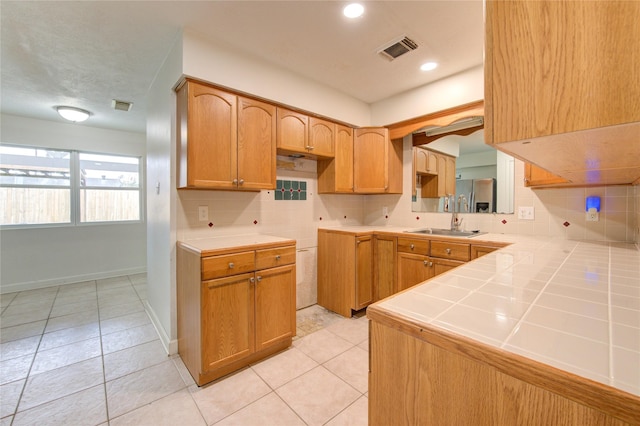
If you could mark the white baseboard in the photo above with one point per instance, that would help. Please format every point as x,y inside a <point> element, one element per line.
<point>33,285</point>
<point>171,346</point>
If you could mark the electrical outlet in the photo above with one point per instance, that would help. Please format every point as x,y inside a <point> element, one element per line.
<point>203,213</point>
<point>525,213</point>
<point>592,215</point>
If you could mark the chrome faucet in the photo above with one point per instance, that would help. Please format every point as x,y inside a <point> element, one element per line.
<point>456,222</point>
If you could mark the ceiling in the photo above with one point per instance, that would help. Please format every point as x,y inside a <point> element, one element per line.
<point>86,53</point>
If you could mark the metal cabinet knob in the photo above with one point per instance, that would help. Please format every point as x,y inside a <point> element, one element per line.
<point>430,264</point>
<point>277,257</point>
<point>252,280</point>
<point>235,181</point>
<point>259,278</point>
<point>448,251</point>
<point>231,265</point>
<point>241,181</point>
<point>425,263</point>
<point>411,246</point>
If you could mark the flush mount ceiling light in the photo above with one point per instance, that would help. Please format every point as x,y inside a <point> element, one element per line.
<point>429,66</point>
<point>73,114</point>
<point>353,10</point>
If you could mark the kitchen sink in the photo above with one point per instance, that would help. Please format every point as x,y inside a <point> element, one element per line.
<point>447,232</point>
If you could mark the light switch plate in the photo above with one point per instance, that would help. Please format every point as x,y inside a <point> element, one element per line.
<point>526,213</point>
<point>203,213</point>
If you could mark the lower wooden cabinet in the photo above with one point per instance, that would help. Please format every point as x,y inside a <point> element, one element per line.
<point>413,269</point>
<point>384,265</point>
<point>228,317</point>
<point>345,271</point>
<point>356,269</point>
<point>480,250</point>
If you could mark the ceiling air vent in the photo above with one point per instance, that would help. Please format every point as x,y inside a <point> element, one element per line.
<point>398,48</point>
<point>121,105</point>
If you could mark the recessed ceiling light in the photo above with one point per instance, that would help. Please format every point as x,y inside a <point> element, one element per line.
<point>428,66</point>
<point>353,10</point>
<point>73,114</point>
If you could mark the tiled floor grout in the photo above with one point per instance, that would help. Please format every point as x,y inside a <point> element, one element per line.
<point>148,387</point>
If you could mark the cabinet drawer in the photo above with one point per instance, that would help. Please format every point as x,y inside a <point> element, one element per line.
<point>268,258</point>
<point>408,245</point>
<point>447,250</point>
<point>227,264</point>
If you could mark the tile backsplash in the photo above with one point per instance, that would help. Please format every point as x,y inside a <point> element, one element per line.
<point>290,190</point>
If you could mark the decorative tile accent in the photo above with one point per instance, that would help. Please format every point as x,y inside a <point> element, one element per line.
<point>566,224</point>
<point>504,221</point>
<point>290,190</point>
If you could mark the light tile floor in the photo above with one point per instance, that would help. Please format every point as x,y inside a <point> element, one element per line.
<point>87,354</point>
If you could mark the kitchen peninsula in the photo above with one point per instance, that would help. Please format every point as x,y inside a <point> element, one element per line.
<point>543,331</point>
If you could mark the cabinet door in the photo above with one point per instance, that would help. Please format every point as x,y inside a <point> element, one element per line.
<point>413,269</point>
<point>450,176</point>
<point>293,131</point>
<point>207,141</point>
<point>364,272</point>
<point>444,265</point>
<point>275,305</point>
<point>336,175</point>
<point>371,160</point>
<point>227,320</point>
<point>535,176</point>
<point>479,251</point>
<point>256,145</point>
<point>384,267</point>
<point>442,176</point>
<point>421,160</point>
<point>548,67</point>
<point>321,137</point>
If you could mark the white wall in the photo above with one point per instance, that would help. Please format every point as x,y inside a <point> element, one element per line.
<point>45,256</point>
<point>161,198</point>
<point>459,89</point>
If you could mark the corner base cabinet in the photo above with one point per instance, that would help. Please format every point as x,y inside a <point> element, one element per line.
<point>236,305</point>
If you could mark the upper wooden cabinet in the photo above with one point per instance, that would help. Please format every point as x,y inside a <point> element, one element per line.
<point>256,144</point>
<point>536,177</point>
<point>224,141</point>
<point>426,161</point>
<point>336,175</point>
<point>299,133</point>
<point>322,137</point>
<point>435,181</point>
<point>366,162</point>
<point>377,162</point>
<point>562,88</point>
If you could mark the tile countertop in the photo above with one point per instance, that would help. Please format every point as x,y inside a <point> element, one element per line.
<point>222,243</point>
<point>572,305</point>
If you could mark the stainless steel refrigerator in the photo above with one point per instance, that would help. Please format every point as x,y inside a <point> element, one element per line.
<point>480,195</point>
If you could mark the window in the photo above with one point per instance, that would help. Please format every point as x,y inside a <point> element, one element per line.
<point>109,188</point>
<point>41,186</point>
